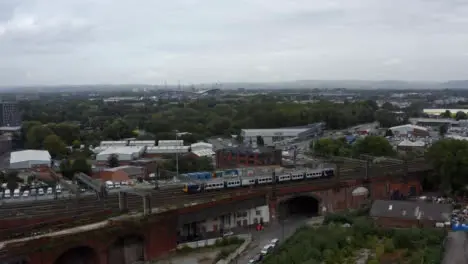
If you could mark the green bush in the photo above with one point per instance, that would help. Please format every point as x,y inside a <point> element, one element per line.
<point>226,241</point>
<point>222,255</point>
<point>388,245</point>
<point>334,243</point>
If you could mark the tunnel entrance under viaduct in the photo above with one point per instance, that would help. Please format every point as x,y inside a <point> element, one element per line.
<point>298,206</point>
<point>78,255</point>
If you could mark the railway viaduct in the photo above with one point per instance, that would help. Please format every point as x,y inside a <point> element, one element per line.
<point>146,236</point>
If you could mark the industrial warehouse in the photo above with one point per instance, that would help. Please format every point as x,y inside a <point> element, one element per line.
<point>276,135</point>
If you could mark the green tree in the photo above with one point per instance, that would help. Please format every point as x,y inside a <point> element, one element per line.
<point>389,119</point>
<point>389,133</point>
<point>374,146</point>
<point>443,130</point>
<point>31,179</point>
<point>388,245</point>
<point>3,178</point>
<point>76,144</point>
<point>328,147</point>
<point>82,165</point>
<point>55,146</point>
<point>449,157</point>
<point>446,114</point>
<point>36,136</point>
<point>67,132</point>
<point>66,169</point>
<point>460,115</point>
<point>12,180</point>
<point>113,161</point>
<point>388,106</point>
<point>117,130</point>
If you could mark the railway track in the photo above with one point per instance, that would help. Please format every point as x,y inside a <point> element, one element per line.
<point>84,216</point>
<point>60,207</point>
<point>98,212</point>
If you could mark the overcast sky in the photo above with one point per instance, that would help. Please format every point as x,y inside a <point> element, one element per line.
<point>151,41</point>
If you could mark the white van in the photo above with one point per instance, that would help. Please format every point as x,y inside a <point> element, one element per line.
<point>16,193</point>
<point>7,194</point>
<point>49,190</point>
<point>40,191</point>
<point>109,185</point>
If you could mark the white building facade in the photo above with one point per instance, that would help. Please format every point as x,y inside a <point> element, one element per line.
<point>124,153</point>
<point>270,136</point>
<point>243,218</point>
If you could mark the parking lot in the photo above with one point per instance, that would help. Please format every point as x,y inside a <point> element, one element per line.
<point>47,195</point>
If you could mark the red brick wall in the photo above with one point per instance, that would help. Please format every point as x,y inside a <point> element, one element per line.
<point>160,236</point>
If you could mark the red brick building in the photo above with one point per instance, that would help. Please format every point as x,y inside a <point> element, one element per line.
<point>244,156</point>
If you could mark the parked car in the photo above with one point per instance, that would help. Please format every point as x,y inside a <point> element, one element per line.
<point>267,249</point>
<point>256,259</point>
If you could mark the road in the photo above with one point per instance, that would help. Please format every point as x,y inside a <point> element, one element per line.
<point>456,248</point>
<point>262,238</point>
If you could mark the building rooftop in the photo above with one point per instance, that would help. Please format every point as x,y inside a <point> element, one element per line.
<point>130,170</point>
<point>122,150</point>
<point>10,128</point>
<point>27,155</point>
<point>204,152</point>
<point>202,145</point>
<point>411,210</point>
<point>167,149</point>
<point>410,126</point>
<point>434,120</point>
<point>289,132</point>
<point>407,143</point>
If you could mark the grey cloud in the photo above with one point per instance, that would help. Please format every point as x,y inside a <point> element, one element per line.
<point>119,41</point>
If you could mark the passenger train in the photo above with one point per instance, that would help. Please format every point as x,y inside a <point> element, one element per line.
<point>237,182</point>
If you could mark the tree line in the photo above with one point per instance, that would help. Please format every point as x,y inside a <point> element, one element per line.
<point>79,122</point>
<point>448,157</point>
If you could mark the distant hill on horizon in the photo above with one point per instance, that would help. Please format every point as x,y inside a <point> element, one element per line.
<point>298,84</point>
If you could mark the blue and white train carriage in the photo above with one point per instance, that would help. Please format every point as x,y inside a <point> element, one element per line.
<point>238,182</point>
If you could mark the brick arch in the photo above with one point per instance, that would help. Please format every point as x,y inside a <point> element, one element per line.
<point>284,198</point>
<point>89,253</point>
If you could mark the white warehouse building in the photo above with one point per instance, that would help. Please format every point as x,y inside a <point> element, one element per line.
<point>124,153</point>
<point>27,159</point>
<point>170,143</point>
<point>270,136</point>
